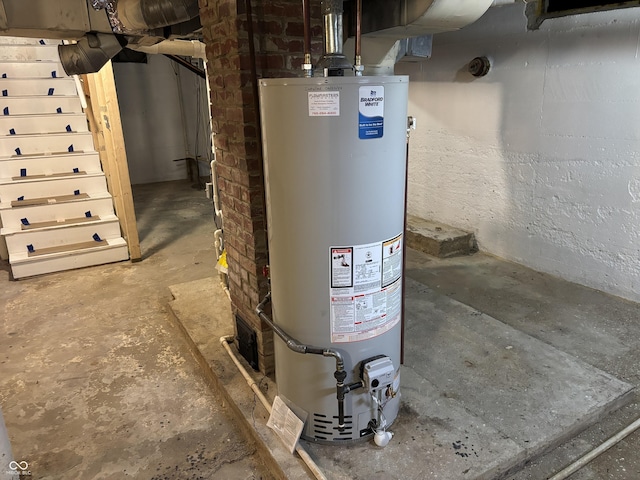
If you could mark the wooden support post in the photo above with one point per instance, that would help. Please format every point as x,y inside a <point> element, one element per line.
<point>103,113</point>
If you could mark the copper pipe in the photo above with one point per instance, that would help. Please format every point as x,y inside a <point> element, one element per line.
<point>307,67</point>
<point>306,14</point>
<point>358,28</point>
<point>357,64</point>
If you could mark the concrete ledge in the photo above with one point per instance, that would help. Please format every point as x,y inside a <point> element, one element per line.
<point>202,311</point>
<point>437,239</point>
<point>479,398</point>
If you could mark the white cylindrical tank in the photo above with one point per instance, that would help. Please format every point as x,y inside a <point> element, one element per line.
<point>335,160</point>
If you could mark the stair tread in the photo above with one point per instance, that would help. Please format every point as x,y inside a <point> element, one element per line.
<point>47,135</point>
<point>27,62</point>
<point>29,97</point>
<point>79,157</point>
<point>8,79</point>
<point>77,198</point>
<point>75,153</point>
<point>67,248</point>
<point>67,222</point>
<point>59,224</point>
<point>43,114</point>
<point>47,200</point>
<point>48,176</point>
<point>23,257</point>
<point>35,134</point>
<point>44,154</point>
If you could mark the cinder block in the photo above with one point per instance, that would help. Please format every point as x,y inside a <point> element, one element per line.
<point>438,239</point>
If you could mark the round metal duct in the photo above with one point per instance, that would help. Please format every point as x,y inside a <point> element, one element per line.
<point>90,54</point>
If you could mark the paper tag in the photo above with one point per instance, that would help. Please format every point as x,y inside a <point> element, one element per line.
<point>285,423</point>
<point>324,104</point>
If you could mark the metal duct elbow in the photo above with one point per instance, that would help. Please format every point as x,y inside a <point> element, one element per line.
<point>140,15</point>
<point>89,54</point>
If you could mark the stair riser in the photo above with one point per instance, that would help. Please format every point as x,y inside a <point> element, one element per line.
<point>29,53</point>
<point>70,262</point>
<point>52,123</point>
<point>31,70</point>
<point>11,217</point>
<point>37,86</point>
<point>32,144</point>
<point>89,163</point>
<point>67,186</point>
<point>28,106</point>
<point>17,242</point>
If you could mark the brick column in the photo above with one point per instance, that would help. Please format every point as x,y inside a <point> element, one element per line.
<point>278,32</point>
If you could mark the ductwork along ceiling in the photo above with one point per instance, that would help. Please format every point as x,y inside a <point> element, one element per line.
<point>103,27</point>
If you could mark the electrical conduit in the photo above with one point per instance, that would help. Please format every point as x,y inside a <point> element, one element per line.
<point>585,459</point>
<point>225,341</point>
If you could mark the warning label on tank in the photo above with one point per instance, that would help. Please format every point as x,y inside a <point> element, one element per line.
<point>391,260</point>
<point>371,112</point>
<point>366,289</point>
<point>341,267</point>
<point>324,104</point>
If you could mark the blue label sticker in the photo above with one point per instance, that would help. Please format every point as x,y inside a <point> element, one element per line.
<point>371,112</point>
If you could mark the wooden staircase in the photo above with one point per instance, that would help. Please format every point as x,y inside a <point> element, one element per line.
<point>55,210</point>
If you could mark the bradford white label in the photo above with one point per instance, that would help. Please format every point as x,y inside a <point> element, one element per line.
<point>371,112</point>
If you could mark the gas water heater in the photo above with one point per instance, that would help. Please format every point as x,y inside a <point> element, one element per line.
<point>334,153</point>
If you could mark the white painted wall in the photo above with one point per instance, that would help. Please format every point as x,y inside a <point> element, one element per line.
<point>154,131</point>
<point>540,158</point>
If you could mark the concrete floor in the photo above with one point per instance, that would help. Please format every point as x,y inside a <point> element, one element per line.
<point>594,327</point>
<point>95,382</point>
<point>599,329</point>
<point>471,385</point>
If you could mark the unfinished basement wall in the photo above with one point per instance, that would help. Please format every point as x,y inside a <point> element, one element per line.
<point>540,158</point>
<point>155,134</point>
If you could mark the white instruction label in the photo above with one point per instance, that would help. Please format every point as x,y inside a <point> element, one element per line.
<point>285,423</point>
<point>324,104</point>
<point>341,267</point>
<point>391,260</point>
<point>366,290</point>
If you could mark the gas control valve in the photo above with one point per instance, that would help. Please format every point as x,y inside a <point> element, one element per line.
<point>378,374</point>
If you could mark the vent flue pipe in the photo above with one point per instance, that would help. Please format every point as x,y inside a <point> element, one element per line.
<point>333,61</point>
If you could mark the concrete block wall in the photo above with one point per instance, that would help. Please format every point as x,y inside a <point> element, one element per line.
<point>278,32</point>
<point>541,158</point>
<point>149,98</point>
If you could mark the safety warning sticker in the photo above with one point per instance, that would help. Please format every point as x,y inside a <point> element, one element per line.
<point>341,267</point>
<point>366,289</point>
<point>391,260</point>
<point>324,104</point>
